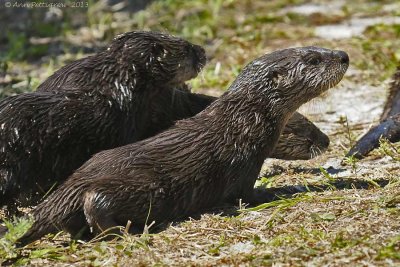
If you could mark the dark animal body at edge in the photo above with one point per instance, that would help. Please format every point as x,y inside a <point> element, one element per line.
<point>388,128</point>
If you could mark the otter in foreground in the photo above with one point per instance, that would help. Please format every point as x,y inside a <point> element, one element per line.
<point>104,103</point>
<point>212,157</point>
<point>389,126</point>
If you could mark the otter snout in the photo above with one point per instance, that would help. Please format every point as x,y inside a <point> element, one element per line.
<point>324,142</point>
<point>344,57</point>
<point>199,57</point>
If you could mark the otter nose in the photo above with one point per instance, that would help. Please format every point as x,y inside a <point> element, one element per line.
<point>344,58</point>
<point>200,54</point>
<point>325,142</point>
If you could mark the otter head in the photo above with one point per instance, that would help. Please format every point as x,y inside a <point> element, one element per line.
<point>157,58</point>
<point>300,139</point>
<point>293,76</point>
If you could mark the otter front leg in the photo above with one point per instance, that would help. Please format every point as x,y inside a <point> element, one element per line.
<point>8,187</point>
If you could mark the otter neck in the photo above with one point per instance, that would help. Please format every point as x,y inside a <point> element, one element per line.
<point>116,79</point>
<point>250,124</point>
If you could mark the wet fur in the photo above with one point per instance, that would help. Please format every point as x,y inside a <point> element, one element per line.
<point>214,156</point>
<point>300,139</point>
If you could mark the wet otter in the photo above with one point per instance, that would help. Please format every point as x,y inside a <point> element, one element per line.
<point>301,139</point>
<point>389,126</point>
<point>211,157</point>
<point>96,103</point>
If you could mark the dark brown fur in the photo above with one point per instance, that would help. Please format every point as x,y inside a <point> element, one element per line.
<point>388,128</point>
<point>214,156</point>
<point>300,139</point>
<point>28,168</point>
<point>96,103</point>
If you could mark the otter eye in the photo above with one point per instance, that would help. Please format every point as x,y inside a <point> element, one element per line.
<point>314,61</point>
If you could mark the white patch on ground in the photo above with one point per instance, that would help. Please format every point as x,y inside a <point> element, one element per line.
<point>313,8</point>
<point>363,168</point>
<point>352,27</point>
<point>241,247</point>
<point>252,215</point>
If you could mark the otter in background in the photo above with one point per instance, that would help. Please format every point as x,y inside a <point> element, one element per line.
<point>96,103</point>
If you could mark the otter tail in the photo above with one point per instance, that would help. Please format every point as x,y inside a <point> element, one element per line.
<point>62,210</point>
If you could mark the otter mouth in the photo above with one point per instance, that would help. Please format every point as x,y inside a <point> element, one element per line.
<point>316,150</point>
<point>328,84</point>
<point>199,60</point>
<point>191,67</point>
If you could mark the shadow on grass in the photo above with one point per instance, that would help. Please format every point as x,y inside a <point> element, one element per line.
<point>266,195</point>
<point>263,195</point>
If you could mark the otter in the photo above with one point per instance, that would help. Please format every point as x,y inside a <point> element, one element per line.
<point>96,103</point>
<point>300,140</point>
<point>389,126</point>
<point>212,157</point>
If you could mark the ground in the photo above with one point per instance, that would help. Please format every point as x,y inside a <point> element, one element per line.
<point>347,215</point>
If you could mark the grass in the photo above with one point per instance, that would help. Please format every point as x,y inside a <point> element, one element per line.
<point>336,227</point>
